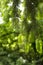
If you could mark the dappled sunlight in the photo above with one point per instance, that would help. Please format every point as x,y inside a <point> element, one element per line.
<point>21,7</point>
<point>1,20</point>
<point>21,0</point>
<point>10,4</point>
<point>29,21</point>
<point>21,32</point>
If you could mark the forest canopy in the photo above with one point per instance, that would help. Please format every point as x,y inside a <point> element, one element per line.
<point>21,32</point>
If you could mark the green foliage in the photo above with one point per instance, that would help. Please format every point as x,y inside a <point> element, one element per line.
<point>21,32</point>
<point>39,45</point>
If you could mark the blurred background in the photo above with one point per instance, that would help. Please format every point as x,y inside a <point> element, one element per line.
<point>21,32</point>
